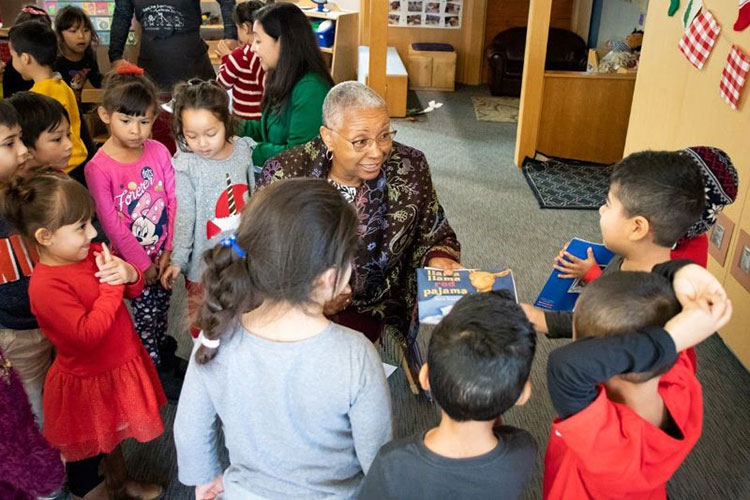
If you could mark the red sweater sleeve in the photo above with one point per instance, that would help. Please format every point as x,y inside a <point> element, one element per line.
<point>593,273</point>
<point>133,290</point>
<point>695,249</point>
<point>71,321</point>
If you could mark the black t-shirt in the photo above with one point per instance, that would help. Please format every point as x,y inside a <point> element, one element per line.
<point>13,81</point>
<point>16,263</point>
<point>407,469</point>
<point>77,73</point>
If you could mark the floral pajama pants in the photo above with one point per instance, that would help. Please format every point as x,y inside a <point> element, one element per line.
<point>150,315</point>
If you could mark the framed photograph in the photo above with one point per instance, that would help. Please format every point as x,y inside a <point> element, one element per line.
<point>415,5</point>
<point>740,269</point>
<point>719,238</point>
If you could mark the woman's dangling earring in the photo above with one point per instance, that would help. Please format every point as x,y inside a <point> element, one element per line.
<point>329,154</point>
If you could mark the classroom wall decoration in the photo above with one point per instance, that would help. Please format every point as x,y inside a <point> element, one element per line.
<point>442,14</point>
<point>100,13</point>
<point>702,31</point>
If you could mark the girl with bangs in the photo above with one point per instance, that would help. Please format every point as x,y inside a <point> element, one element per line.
<point>77,39</point>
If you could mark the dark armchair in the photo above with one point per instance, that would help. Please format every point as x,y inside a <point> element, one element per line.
<point>566,51</point>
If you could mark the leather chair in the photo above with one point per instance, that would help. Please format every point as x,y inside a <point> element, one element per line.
<point>566,51</point>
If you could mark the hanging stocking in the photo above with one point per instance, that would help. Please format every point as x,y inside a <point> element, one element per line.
<point>734,75</point>
<point>743,18</point>
<point>692,9</point>
<point>699,39</point>
<point>673,6</point>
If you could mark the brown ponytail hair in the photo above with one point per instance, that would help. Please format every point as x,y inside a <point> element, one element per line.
<point>46,199</point>
<point>291,233</point>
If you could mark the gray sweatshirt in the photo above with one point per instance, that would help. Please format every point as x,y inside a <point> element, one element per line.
<point>301,419</point>
<point>210,197</point>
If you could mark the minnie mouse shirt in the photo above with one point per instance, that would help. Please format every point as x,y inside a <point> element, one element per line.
<point>135,202</point>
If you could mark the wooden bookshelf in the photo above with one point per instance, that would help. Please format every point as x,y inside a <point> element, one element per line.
<point>342,55</point>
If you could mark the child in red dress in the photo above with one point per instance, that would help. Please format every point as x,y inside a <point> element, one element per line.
<point>102,387</point>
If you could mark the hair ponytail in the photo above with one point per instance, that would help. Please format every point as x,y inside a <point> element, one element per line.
<point>227,293</point>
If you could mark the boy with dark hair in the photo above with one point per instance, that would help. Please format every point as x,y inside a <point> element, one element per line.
<point>477,368</point>
<point>46,130</point>
<point>33,47</point>
<point>630,406</point>
<point>654,197</point>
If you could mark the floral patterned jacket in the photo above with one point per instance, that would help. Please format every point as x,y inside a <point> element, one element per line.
<point>401,223</point>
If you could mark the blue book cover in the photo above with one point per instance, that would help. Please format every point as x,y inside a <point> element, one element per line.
<point>437,293</point>
<point>561,294</point>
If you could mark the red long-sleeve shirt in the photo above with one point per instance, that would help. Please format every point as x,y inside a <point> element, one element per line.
<point>241,73</point>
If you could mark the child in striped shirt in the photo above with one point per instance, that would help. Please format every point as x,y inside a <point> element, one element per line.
<point>240,69</point>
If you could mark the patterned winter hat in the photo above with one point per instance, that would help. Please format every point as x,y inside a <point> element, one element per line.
<point>720,182</point>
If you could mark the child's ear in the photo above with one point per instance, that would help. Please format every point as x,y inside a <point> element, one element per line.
<point>424,377</point>
<point>43,236</point>
<point>525,394</point>
<point>26,58</point>
<point>640,227</point>
<point>104,115</point>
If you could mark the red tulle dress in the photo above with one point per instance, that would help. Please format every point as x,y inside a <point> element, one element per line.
<point>102,386</point>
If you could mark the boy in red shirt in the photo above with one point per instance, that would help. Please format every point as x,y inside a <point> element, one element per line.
<point>630,406</point>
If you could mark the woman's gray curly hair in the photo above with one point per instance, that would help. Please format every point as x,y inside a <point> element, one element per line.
<point>346,96</point>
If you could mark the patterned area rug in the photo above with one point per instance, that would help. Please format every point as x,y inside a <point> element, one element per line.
<point>496,109</point>
<point>567,184</point>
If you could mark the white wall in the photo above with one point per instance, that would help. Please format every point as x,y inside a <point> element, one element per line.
<point>619,18</point>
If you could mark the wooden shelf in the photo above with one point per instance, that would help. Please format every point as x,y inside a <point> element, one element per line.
<point>326,50</point>
<point>343,53</point>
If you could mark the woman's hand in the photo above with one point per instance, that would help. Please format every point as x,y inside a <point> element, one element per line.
<point>168,276</point>
<point>444,263</point>
<point>571,266</point>
<point>113,270</point>
<point>211,490</point>
<point>536,318</point>
<point>338,303</point>
<point>694,285</point>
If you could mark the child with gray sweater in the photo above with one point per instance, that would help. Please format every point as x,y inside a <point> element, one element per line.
<point>214,178</point>
<point>303,403</point>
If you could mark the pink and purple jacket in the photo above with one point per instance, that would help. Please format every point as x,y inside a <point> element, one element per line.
<point>135,202</point>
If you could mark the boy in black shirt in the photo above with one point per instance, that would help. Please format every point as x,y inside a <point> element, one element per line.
<point>477,368</point>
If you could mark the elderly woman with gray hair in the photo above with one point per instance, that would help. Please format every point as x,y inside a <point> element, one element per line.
<point>402,224</point>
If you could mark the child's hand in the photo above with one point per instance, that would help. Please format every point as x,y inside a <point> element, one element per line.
<point>698,321</point>
<point>536,317</point>
<point>571,266</point>
<point>694,285</point>
<point>151,274</point>
<point>168,276</point>
<point>211,490</point>
<point>164,259</point>
<point>113,270</point>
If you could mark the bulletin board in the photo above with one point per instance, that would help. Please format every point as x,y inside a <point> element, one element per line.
<point>441,14</point>
<point>100,13</point>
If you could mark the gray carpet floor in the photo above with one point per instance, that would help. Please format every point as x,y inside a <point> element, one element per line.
<point>499,222</point>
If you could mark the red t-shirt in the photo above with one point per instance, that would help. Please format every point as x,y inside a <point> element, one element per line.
<point>607,451</point>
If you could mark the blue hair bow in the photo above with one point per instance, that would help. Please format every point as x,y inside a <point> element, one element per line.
<point>231,242</point>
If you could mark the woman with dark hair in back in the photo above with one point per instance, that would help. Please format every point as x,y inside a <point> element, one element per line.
<point>297,81</point>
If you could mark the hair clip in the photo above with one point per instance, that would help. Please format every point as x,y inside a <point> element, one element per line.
<point>211,344</point>
<point>128,68</point>
<point>30,9</point>
<point>231,241</point>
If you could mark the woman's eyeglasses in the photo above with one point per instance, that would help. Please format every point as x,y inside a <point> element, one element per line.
<point>360,145</point>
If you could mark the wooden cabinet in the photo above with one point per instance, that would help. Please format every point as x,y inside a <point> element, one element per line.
<point>342,55</point>
<point>433,70</point>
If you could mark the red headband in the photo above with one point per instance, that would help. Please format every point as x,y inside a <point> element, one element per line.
<point>30,9</point>
<point>128,68</point>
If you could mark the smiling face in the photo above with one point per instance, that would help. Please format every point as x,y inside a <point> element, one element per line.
<point>53,147</point>
<point>12,151</point>
<point>68,244</point>
<point>77,39</point>
<point>266,47</point>
<point>350,165</point>
<point>205,134</point>
<point>129,132</point>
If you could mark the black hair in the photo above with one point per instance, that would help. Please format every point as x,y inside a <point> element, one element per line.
<point>299,53</point>
<point>201,94</point>
<point>480,356</point>
<point>290,232</point>
<point>37,114</point>
<point>36,39</point>
<point>665,187</point>
<point>31,12</point>
<point>48,199</point>
<point>131,94</point>
<point>71,16</point>
<point>245,12</point>
<point>8,115</point>
<point>623,302</point>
